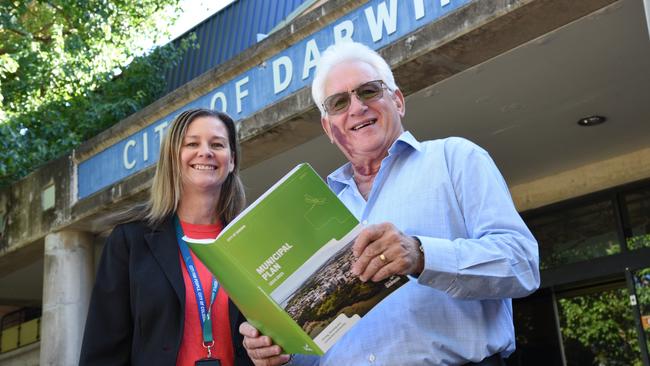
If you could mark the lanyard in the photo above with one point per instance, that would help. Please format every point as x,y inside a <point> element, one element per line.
<point>204,310</point>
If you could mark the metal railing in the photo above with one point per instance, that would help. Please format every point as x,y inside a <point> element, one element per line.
<point>20,328</point>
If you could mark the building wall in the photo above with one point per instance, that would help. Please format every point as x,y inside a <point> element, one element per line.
<point>24,356</point>
<point>226,34</point>
<point>287,130</point>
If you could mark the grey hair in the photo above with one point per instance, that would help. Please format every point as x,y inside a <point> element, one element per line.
<point>342,52</point>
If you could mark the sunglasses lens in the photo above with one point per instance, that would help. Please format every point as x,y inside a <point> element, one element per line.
<point>369,91</point>
<point>337,103</point>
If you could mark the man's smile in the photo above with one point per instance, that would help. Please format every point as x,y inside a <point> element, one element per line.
<point>364,124</point>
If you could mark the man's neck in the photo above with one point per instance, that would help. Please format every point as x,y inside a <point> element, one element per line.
<point>364,173</point>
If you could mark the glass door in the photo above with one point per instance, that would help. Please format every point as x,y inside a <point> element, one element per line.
<point>537,337</point>
<point>597,326</point>
<point>639,286</point>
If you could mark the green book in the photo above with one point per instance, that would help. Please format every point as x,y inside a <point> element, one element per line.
<point>285,262</point>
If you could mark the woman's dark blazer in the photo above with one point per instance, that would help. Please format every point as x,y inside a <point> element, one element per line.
<point>137,306</point>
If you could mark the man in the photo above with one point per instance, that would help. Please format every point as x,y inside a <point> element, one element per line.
<point>440,212</point>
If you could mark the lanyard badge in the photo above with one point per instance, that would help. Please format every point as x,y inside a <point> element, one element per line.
<point>204,309</point>
<point>207,362</point>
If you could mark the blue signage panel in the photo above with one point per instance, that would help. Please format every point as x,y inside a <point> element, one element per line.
<point>376,24</point>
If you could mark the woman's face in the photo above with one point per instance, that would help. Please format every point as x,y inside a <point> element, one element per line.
<point>206,158</point>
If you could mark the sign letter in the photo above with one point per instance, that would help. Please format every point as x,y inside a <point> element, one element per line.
<point>145,146</point>
<point>279,84</point>
<point>125,155</point>
<point>312,55</point>
<point>343,31</point>
<point>160,130</point>
<point>222,97</point>
<point>239,93</point>
<point>418,6</point>
<point>384,19</point>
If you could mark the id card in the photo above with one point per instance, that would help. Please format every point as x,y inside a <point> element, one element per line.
<point>207,362</point>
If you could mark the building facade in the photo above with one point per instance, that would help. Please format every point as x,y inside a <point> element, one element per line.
<point>555,90</point>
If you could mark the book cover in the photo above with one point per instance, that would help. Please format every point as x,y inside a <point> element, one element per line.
<point>285,262</point>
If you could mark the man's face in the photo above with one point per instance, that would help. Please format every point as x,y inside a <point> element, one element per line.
<point>365,130</point>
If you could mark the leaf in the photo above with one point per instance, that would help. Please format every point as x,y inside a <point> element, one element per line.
<point>56,73</point>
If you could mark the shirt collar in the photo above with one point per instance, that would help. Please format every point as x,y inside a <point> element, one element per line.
<point>343,177</point>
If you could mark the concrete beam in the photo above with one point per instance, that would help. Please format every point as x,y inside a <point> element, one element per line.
<point>586,179</point>
<point>249,58</point>
<point>467,37</point>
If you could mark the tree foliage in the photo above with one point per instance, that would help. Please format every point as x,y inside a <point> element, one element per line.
<point>601,325</point>
<point>64,74</point>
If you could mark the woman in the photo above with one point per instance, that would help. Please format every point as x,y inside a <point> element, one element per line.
<point>143,309</point>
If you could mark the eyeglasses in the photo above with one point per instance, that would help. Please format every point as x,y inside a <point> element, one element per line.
<point>366,92</point>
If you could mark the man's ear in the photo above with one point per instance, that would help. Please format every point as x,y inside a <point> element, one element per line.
<point>325,123</point>
<point>398,97</point>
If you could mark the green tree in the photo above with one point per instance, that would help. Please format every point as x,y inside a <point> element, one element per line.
<point>64,74</point>
<point>603,325</point>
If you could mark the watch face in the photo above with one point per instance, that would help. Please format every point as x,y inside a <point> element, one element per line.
<point>207,362</point>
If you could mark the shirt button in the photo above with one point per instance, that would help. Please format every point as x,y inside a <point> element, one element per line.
<point>371,358</point>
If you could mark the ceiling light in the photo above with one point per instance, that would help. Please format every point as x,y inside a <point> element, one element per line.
<point>591,121</point>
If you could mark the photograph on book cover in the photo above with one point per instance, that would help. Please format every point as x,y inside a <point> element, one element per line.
<point>324,297</point>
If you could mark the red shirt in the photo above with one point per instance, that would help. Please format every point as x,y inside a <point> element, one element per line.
<point>192,344</point>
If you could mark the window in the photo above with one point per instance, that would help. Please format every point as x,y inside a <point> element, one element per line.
<point>574,234</point>
<point>637,212</point>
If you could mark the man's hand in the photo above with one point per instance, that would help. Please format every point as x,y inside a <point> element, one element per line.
<point>382,251</point>
<point>261,348</point>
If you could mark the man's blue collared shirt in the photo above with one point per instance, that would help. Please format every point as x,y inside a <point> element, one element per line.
<point>478,255</point>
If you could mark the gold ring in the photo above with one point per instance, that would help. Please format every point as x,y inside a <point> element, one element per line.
<point>382,257</point>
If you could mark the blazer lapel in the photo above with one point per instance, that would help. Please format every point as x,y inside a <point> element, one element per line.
<point>163,246</point>
<point>233,314</point>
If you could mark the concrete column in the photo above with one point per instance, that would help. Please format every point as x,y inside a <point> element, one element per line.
<point>67,282</point>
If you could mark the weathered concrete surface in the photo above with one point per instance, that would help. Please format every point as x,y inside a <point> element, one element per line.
<point>475,33</point>
<point>67,283</point>
<point>586,179</point>
<point>26,223</point>
<point>24,356</point>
